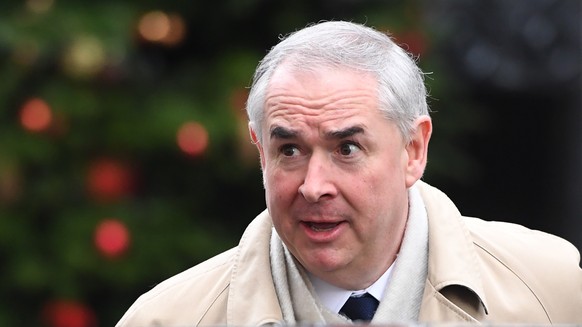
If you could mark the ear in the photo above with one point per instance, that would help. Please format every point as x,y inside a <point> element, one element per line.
<point>417,149</point>
<point>257,142</point>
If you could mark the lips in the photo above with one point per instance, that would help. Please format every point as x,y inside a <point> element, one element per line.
<point>321,227</point>
<point>323,232</point>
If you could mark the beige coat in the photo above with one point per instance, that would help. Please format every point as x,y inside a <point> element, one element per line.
<point>478,271</point>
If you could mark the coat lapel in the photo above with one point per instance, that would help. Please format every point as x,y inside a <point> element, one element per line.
<point>454,290</point>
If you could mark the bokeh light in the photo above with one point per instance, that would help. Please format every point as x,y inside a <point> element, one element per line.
<point>109,180</point>
<point>36,115</point>
<point>192,138</point>
<point>177,30</point>
<point>247,150</point>
<point>160,27</point>
<point>85,57</point>
<point>154,26</point>
<point>112,238</point>
<point>39,6</point>
<point>68,313</point>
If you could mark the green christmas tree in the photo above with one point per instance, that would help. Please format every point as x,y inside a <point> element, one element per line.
<point>124,150</point>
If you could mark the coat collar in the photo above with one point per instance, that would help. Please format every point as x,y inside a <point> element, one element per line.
<point>452,260</point>
<point>252,299</point>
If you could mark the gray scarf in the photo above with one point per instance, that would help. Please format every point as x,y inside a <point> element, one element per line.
<point>403,294</point>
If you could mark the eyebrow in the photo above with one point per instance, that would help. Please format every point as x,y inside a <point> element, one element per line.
<point>345,133</point>
<point>284,133</point>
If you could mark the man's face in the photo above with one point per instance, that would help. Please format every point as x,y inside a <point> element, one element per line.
<point>336,174</point>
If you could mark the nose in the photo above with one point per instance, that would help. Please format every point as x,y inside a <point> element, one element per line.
<point>318,183</point>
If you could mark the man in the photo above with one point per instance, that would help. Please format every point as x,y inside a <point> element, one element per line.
<point>339,116</point>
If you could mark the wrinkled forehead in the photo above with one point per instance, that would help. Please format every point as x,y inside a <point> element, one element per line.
<point>293,74</point>
<point>323,97</point>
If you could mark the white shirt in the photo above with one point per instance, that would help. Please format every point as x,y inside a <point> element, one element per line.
<point>334,297</point>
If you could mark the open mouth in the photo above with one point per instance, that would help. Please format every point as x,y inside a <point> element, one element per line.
<point>321,227</point>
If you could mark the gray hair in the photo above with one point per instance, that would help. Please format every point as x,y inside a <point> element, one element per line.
<point>336,44</point>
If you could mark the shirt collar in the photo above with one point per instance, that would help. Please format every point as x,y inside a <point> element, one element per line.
<point>333,297</point>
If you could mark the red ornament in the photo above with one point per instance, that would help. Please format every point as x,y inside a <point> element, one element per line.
<point>112,238</point>
<point>192,138</point>
<point>66,313</point>
<point>36,115</point>
<point>109,180</point>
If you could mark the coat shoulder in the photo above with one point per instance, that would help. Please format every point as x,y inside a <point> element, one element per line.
<point>513,245</point>
<point>543,265</point>
<point>164,303</point>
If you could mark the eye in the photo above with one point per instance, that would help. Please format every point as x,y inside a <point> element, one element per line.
<point>348,149</point>
<point>289,150</point>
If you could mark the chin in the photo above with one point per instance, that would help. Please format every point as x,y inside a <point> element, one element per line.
<point>324,262</point>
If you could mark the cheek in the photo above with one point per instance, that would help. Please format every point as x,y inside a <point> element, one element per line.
<point>280,196</point>
<point>279,188</point>
<point>376,193</point>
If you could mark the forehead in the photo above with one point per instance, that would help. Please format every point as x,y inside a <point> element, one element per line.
<point>322,96</point>
<point>316,81</point>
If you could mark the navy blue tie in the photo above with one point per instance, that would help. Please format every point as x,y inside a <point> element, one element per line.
<point>360,307</point>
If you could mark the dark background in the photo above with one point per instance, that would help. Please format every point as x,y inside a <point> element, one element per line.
<point>100,202</point>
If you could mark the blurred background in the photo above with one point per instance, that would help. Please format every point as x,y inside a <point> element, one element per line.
<point>124,151</point>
